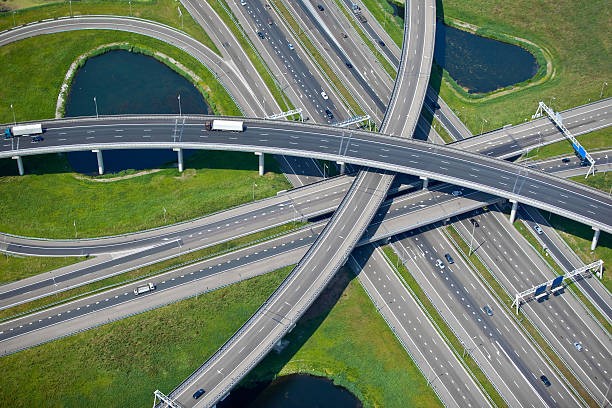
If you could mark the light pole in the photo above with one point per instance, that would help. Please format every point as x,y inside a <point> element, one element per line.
<point>324,167</point>
<point>482,126</point>
<point>254,185</point>
<point>179,101</point>
<point>70,8</point>
<point>96,103</point>
<point>552,98</point>
<point>14,23</point>
<point>602,88</point>
<point>14,120</point>
<point>180,14</point>
<point>130,7</point>
<point>472,239</point>
<point>75,230</point>
<point>164,215</point>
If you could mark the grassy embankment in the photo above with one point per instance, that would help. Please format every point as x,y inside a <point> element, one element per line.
<point>170,342</point>
<point>120,364</point>
<point>320,61</point>
<point>181,260</point>
<point>578,71</point>
<point>525,324</point>
<point>599,181</point>
<point>335,339</point>
<point>453,342</point>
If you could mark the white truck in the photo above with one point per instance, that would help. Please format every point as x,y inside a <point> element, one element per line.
<point>144,288</point>
<point>227,125</point>
<point>23,130</point>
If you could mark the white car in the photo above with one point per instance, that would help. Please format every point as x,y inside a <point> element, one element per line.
<point>324,95</point>
<point>439,264</point>
<point>457,193</point>
<point>291,47</point>
<point>578,346</point>
<point>538,229</point>
<point>243,2</point>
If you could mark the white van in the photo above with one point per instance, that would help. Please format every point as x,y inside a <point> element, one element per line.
<point>144,289</point>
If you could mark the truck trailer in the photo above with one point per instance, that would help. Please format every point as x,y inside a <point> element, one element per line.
<point>144,289</point>
<point>226,125</point>
<point>23,130</point>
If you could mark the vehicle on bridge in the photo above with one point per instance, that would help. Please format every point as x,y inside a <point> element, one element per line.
<point>225,125</point>
<point>23,130</point>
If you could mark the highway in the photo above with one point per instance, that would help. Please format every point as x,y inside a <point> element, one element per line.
<point>447,376</point>
<point>508,357</point>
<point>561,319</point>
<point>441,163</point>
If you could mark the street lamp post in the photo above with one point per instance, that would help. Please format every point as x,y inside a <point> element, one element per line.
<point>14,120</point>
<point>75,230</point>
<point>179,102</point>
<point>14,23</point>
<point>130,7</point>
<point>96,103</point>
<point>552,98</point>
<point>324,167</point>
<point>482,126</point>
<point>602,88</point>
<point>164,215</point>
<point>472,239</point>
<point>254,185</point>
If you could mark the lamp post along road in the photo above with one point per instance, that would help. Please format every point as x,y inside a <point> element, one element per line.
<point>602,88</point>
<point>14,120</point>
<point>96,103</point>
<point>179,102</point>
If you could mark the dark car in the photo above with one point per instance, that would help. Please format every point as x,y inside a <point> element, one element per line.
<point>584,163</point>
<point>381,43</point>
<point>320,7</point>
<point>260,34</point>
<point>474,222</point>
<point>449,259</point>
<point>435,105</point>
<point>545,380</point>
<point>329,114</point>
<point>37,139</point>
<point>198,393</point>
<point>565,160</point>
<point>488,310</point>
<point>348,64</point>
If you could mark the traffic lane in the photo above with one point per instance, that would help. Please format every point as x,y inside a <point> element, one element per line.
<point>471,302</point>
<point>290,300</point>
<point>415,331</point>
<point>278,45</point>
<point>468,329</point>
<point>560,321</point>
<point>565,263</point>
<point>475,171</point>
<point>512,340</point>
<point>571,161</point>
<point>265,251</point>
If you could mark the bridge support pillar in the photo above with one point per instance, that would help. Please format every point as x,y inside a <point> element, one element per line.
<point>595,239</point>
<point>100,161</point>
<point>513,211</point>
<point>19,164</point>
<point>425,182</point>
<point>261,162</point>
<point>179,152</point>
<point>342,167</point>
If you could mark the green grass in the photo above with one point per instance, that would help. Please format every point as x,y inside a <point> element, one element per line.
<point>570,285</point>
<point>579,70</point>
<point>49,199</point>
<point>36,67</point>
<point>592,141</point>
<point>327,71</point>
<point>383,13</point>
<point>120,364</point>
<point>578,236</point>
<point>13,268</point>
<point>452,340</point>
<point>149,270</point>
<point>599,181</point>
<point>342,337</point>
<point>435,123</point>
<point>525,324</point>
<point>163,11</point>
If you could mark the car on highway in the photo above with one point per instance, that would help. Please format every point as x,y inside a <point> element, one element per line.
<point>37,139</point>
<point>324,95</point>
<point>349,65</point>
<point>320,7</point>
<point>243,2</point>
<point>291,47</point>
<point>198,393</point>
<point>545,380</point>
<point>538,229</point>
<point>449,259</point>
<point>457,193</point>
<point>488,310</point>
<point>269,21</point>
<point>381,43</point>
<point>565,160</point>
<point>474,222</point>
<point>260,34</point>
<point>439,264</point>
<point>578,346</point>
<point>584,163</point>
<point>329,114</point>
